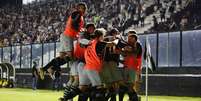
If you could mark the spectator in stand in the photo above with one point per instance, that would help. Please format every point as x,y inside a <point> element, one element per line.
<point>155,27</point>
<point>184,23</point>
<point>162,14</point>
<point>142,18</point>
<point>39,19</point>
<point>180,2</point>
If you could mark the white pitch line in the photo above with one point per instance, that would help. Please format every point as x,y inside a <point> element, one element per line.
<point>24,93</point>
<point>174,75</point>
<point>19,93</point>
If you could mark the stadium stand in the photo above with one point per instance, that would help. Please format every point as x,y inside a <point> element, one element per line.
<point>44,21</point>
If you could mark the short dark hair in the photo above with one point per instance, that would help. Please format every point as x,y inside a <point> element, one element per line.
<point>90,25</point>
<point>82,4</point>
<point>132,32</point>
<point>114,30</point>
<point>98,33</point>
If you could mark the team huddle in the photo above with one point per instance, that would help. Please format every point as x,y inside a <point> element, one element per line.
<point>95,55</point>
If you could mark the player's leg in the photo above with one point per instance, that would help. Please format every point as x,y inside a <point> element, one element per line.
<point>45,68</point>
<point>85,93</point>
<point>84,83</point>
<point>131,92</point>
<point>74,73</point>
<point>72,89</point>
<point>66,45</point>
<point>115,79</point>
<point>67,89</point>
<point>97,92</point>
<point>107,78</point>
<point>122,84</point>
<point>70,94</point>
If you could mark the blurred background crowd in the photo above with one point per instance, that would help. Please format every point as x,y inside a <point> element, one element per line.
<point>44,20</point>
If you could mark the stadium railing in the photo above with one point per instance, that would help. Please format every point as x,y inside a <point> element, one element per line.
<point>170,49</point>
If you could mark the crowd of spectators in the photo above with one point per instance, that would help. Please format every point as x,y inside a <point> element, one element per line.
<point>44,21</point>
<point>32,23</point>
<point>177,15</point>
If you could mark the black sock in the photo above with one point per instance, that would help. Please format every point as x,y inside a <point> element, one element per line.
<point>122,90</point>
<point>111,95</point>
<point>84,96</point>
<point>51,63</point>
<point>98,94</point>
<point>132,96</point>
<point>71,93</point>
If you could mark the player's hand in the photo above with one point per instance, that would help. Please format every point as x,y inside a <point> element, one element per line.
<point>137,86</point>
<point>127,49</point>
<point>138,76</point>
<point>82,29</point>
<point>110,44</point>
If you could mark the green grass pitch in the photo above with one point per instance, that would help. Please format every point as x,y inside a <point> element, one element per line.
<point>19,94</point>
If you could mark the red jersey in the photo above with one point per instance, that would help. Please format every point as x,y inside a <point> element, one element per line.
<point>93,62</point>
<point>70,31</point>
<point>133,62</point>
<point>79,51</point>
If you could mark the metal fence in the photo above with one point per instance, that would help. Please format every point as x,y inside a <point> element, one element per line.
<point>22,56</point>
<point>172,49</point>
<point>175,49</point>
